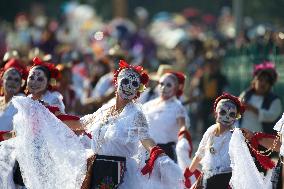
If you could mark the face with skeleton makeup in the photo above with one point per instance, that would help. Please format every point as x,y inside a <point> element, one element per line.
<point>226,112</point>
<point>37,81</point>
<point>12,81</point>
<point>128,82</point>
<point>168,86</point>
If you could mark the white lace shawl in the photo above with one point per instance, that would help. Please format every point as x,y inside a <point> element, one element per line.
<point>50,155</point>
<point>245,174</point>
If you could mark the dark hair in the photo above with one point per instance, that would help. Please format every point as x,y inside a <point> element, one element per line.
<point>267,75</point>
<point>45,71</point>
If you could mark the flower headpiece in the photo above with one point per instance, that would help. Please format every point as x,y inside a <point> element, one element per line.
<point>144,78</point>
<point>181,79</point>
<point>14,63</point>
<point>234,99</point>
<point>266,66</point>
<point>54,72</point>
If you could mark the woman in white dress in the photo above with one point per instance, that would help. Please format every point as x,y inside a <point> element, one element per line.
<point>12,76</point>
<point>166,114</point>
<point>213,150</point>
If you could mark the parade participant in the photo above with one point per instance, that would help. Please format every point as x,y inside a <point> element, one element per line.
<point>166,114</point>
<point>213,149</point>
<point>118,130</point>
<point>263,107</point>
<point>39,81</point>
<point>12,75</point>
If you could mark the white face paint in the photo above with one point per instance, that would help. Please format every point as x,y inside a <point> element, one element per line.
<point>128,81</point>
<point>37,81</point>
<point>226,112</point>
<point>12,81</point>
<point>167,86</point>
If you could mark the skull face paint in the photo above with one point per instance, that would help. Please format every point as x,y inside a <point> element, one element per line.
<point>226,112</point>
<point>128,82</point>
<point>37,81</point>
<point>168,86</point>
<point>12,81</point>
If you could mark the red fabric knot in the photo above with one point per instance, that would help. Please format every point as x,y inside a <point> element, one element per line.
<point>54,72</point>
<point>1,135</point>
<point>187,174</point>
<point>65,117</point>
<point>154,154</point>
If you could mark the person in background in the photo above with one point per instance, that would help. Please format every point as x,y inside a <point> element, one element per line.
<point>166,114</point>
<point>263,107</point>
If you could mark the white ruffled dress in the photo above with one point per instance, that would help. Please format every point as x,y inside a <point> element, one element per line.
<point>121,137</point>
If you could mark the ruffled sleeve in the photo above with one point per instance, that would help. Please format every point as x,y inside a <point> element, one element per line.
<point>182,113</point>
<point>54,99</point>
<point>203,144</point>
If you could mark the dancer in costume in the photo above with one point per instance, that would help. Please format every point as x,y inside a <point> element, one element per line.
<point>166,114</point>
<point>118,130</point>
<point>213,149</point>
<point>12,76</point>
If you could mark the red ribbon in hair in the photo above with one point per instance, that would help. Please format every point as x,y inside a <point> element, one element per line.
<point>54,72</point>
<point>181,79</point>
<point>1,135</point>
<point>14,63</point>
<point>234,99</point>
<point>144,78</point>
<point>154,154</point>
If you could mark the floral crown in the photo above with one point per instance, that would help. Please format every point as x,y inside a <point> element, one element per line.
<point>234,99</point>
<point>144,78</point>
<point>266,66</point>
<point>54,72</point>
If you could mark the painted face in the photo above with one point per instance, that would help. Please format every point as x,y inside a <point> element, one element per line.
<point>12,81</point>
<point>167,86</point>
<point>37,81</point>
<point>226,112</point>
<point>128,82</point>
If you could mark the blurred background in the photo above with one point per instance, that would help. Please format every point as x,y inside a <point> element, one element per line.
<point>215,43</point>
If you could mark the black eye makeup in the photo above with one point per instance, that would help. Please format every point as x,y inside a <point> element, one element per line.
<point>169,85</point>
<point>125,81</point>
<point>223,112</point>
<point>232,114</point>
<point>135,83</point>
